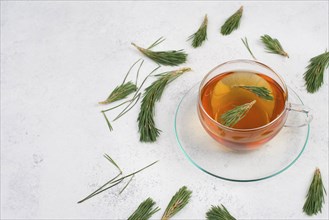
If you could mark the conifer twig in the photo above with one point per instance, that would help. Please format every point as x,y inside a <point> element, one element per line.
<point>219,213</point>
<point>315,195</point>
<point>122,90</point>
<point>136,96</point>
<point>177,203</point>
<point>144,211</point>
<point>168,58</point>
<point>273,45</point>
<point>315,70</point>
<point>232,22</point>
<point>261,92</point>
<point>146,125</point>
<point>200,35</point>
<point>233,116</point>
<point>131,103</point>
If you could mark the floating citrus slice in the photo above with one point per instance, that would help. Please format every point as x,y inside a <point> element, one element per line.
<point>226,95</point>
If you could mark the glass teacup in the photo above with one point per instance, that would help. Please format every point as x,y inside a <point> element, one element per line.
<point>251,137</point>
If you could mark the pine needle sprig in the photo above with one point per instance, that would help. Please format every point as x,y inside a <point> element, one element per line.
<point>233,116</point>
<point>200,35</point>
<point>219,213</point>
<point>124,89</point>
<point>177,203</point>
<point>261,92</point>
<point>136,96</point>
<point>145,210</point>
<point>120,92</point>
<point>131,103</point>
<point>113,182</point>
<point>232,22</point>
<point>245,42</point>
<point>168,58</point>
<point>146,125</point>
<point>273,45</point>
<point>315,195</point>
<point>315,70</point>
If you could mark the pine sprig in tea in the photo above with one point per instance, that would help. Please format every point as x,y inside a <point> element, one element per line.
<point>219,213</point>
<point>233,116</point>
<point>123,90</point>
<point>146,125</point>
<point>232,22</point>
<point>315,70</point>
<point>169,58</point>
<point>145,210</point>
<point>201,35</point>
<point>273,45</point>
<point>177,203</point>
<point>315,195</point>
<point>245,42</point>
<point>261,92</point>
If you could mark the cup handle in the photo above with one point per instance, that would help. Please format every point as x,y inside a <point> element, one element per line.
<point>301,109</point>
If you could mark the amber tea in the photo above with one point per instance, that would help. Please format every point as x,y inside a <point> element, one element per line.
<point>228,90</point>
<point>243,104</point>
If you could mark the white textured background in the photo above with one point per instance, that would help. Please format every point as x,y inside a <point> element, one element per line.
<point>58,59</point>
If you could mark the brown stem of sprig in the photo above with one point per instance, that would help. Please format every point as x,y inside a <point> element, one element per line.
<point>141,49</point>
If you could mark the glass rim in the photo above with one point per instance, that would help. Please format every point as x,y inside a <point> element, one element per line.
<point>243,129</point>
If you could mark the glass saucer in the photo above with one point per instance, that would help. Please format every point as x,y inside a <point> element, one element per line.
<point>206,154</point>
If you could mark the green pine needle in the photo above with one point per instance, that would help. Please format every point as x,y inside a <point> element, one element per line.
<point>146,125</point>
<point>131,103</point>
<point>177,203</point>
<point>168,58</point>
<point>145,210</point>
<point>123,90</point>
<point>233,116</point>
<point>273,45</point>
<point>315,70</point>
<point>315,195</point>
<point>201,35</point>
<point>107,157</point>
<point>107,121</point>
<point>261,92</point>
<point>120,92</point>
<point>126,184</point>
<point>219,213</point>
<point>113,182</point>
<point>232,22</point>
<point>245,42</point>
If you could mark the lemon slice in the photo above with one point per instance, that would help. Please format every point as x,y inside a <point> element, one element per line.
<point>225,93</point>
